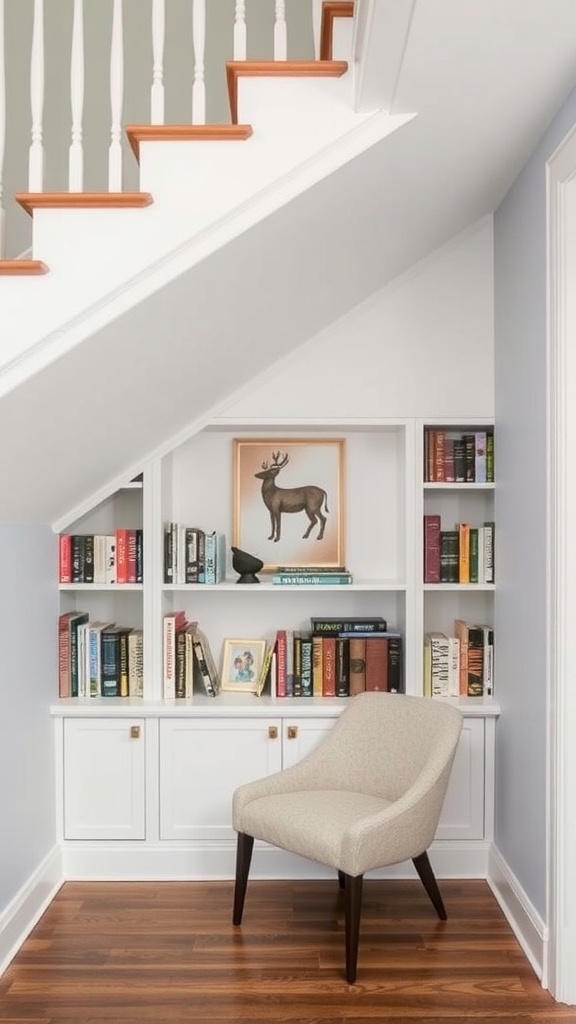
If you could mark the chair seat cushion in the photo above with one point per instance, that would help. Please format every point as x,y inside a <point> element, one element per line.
<point>311,823</point>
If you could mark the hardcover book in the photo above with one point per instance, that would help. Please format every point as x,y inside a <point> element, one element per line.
<point>329,666</point>
<point>110,662</point>
<point>395,664</point>
<point>65,557</point>
<point>205,664</point>
<point>172,622</point>
<point>353,624</point>
<point>342,667</point>
<point>136,663</point>
<point>357,664</point>
<point>306,682</point>
<point>311,579</point>
<point>432,549</point>
<point>281,644</point>
<point>377,663</point>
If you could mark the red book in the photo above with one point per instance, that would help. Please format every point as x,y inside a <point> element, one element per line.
<point>131,557</point>
<point>121,556</point>
<point>65,558</point>
<point>329,666</point>
<point>377,663</point>
<point>431,549</point>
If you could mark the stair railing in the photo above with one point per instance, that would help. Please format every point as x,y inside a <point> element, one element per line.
<point>133,44</point>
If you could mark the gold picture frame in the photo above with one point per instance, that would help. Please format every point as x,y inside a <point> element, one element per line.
<point>298,521</point>
<point>242,664</point>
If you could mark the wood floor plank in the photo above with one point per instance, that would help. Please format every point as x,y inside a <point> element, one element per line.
<point>139,952</point>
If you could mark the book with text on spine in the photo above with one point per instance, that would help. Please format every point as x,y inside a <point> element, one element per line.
<point>308,579</point>
<point>353,624</point>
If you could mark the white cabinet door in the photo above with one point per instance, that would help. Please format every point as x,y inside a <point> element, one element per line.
<point>104,780</point>
<point>463,812</point>
<point>202,761</point>
<point>301,735</point>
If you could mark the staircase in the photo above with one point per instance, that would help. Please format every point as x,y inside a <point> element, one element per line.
<point>139,312</point>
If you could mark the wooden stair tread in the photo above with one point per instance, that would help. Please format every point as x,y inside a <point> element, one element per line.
<point>332,9</point>
<point>31,201</point>
<point>28,268</point>
<point>138,133</point>
<point>278,69</point>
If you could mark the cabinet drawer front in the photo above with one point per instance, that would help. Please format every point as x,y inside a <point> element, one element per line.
<point>104,778</point>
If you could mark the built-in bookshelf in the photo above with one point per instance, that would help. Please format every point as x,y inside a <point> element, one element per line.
<point>458,577</point>
<point>385,496</point>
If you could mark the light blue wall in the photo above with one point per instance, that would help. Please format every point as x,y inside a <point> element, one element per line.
<point>28,613</point>
<point>520,402</point>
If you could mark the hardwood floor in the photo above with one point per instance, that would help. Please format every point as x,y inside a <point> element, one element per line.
<point>141,952</point>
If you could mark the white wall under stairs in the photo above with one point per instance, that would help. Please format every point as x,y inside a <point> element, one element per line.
<point>132,304</point>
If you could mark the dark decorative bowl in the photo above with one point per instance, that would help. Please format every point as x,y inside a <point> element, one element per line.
<point>246,566</point>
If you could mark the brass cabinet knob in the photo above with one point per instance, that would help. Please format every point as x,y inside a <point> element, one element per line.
<point>292,732</point>
<point>272,732</point>
<point>135,732</point>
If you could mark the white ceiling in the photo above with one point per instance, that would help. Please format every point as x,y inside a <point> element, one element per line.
<point>485,76</point>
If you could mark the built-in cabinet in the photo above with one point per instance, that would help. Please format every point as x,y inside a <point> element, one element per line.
<point>157,776</point>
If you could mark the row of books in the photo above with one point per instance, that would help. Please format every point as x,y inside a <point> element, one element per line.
<point>98,659</point>
<point>462,555</point>
<point>339,663</point>
<point>101,558</point>
<point>450,457</point>
<point>461,665</point>
<point>187,659</point>
<point>287,576</point>
<point>334,658</point>
<point>193,555</point>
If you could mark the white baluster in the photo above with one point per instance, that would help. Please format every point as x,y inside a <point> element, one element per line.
<point>199,44</point>
<point>2,128</point>
<point>36,158</point>
<point>157,91</point>
<point>116,100</point>
<point>76,152</point>
<point>240,30</point>
<point>316,26</point>
<point>280,41</point>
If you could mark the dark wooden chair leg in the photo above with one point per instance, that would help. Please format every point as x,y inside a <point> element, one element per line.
<point>341,879</point>
<point>244,846</point>
<point>428,879</point>
<point>353,889</point>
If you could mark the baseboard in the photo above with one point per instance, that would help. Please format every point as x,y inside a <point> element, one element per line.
<point>202,861</point>
<point>20,916</point>
<point>523,918</point>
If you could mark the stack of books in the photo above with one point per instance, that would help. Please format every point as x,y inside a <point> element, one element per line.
<point>295,576</point>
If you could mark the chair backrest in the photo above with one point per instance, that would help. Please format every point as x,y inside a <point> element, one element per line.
<point>382,742</point>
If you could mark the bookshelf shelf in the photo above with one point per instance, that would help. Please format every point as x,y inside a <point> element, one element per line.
<point>429,486</point>
<point>117,588</point>
<point>462,587</point>
<point>276,588</point>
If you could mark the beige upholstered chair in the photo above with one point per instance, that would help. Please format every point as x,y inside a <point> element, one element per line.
<point>368,796</point>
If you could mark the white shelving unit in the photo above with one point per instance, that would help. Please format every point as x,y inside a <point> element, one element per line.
<point>201,739</point>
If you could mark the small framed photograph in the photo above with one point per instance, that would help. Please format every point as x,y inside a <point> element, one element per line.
<point>242,664</point>
<point>289,500</point>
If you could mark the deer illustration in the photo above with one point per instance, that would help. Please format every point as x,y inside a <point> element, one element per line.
<point>308,499</point>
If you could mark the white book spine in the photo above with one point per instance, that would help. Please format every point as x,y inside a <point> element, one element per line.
<point>453,666</point>
<point>110,559</point>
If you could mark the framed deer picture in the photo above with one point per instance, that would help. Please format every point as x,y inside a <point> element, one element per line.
<point>289,500</point>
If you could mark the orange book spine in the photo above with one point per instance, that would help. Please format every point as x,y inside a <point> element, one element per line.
<point>463,552</point>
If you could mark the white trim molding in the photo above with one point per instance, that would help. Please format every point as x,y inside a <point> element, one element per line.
<point>561,560</point>
<point>523,918</point>
<point>27,907</point>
